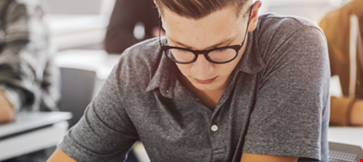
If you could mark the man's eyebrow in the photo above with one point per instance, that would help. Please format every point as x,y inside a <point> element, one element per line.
<point>225,41</point>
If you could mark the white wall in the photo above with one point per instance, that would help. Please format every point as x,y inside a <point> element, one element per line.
<point>93,7</point>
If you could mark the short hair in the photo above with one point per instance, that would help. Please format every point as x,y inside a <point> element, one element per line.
<point>197,9</point>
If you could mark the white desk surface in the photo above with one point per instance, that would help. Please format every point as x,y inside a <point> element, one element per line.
<point>32,120</point>
<point>33,141</point>
<point>349,135</point>
<point>61,24</point>
<point>69,31</point>
<point>93,60</point>
<point>27,134</point>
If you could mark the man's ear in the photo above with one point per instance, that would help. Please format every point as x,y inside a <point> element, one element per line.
<point>254,16</point>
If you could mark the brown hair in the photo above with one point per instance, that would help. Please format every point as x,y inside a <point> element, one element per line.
<point>197,9</point>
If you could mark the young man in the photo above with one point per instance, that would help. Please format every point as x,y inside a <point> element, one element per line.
<point>223,85</point>
<point>28,78</point>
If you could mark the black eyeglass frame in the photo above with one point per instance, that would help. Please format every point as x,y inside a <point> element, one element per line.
<point>206,52</point>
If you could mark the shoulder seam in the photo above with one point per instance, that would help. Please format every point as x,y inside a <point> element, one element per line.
<point>296,20</point>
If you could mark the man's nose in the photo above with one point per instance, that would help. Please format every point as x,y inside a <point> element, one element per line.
<point>202,68</point>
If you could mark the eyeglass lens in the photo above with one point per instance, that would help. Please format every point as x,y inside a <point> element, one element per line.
<point>218,55</point>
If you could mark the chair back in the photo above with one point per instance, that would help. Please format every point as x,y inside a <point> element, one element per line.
<point>77,87</point>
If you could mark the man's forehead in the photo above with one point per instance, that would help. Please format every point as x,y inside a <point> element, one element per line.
<point>217,29</point>
<point>219,43</point>
<point>231,7</point>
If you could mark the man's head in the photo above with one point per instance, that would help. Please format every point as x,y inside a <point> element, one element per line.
<point>205,25</point>
<point>197,9</point>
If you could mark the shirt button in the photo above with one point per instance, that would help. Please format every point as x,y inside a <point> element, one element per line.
<point>214,128</point>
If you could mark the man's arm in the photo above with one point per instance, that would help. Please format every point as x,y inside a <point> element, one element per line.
<point>346,111</point>
<point>7,113</point>
<point>246,157</point>
<point>60,156</point>
<point>356,116</point>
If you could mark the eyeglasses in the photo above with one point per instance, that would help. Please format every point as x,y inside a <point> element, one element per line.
<point>219,55</point>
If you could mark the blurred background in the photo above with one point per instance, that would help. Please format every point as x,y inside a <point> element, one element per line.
<point>82,23</point>
<point>78,30</point>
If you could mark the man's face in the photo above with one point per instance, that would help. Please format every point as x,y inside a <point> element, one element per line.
<point>219,29</point>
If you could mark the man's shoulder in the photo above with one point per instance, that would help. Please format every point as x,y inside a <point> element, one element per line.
<point>147,52</point>
<point>279,23</point>
<point>277,34</point>
<point>276,30</point>
<point>138,63</point>
<point>149,46</point>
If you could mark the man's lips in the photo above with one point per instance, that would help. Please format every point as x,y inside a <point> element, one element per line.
<point>208,81</point>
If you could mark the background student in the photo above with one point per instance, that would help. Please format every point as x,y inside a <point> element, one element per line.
<point>336,24</point>
<point>29,81</point>
<point>126,14</point>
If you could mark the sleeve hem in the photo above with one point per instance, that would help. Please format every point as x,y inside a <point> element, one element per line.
<point>79,153</point>
<point>301,151</point>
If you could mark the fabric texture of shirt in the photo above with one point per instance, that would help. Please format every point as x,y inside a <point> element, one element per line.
<point>336,26</point>
<point>277,103</point>
<point>28,77</point>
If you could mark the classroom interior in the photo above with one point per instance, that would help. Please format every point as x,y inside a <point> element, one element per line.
<point>78,29</point>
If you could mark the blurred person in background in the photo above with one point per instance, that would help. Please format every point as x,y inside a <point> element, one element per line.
<point>336,24</point>
<point>28,79</point>
<point>125,16</point>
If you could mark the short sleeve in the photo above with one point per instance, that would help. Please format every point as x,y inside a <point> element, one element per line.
<point>291,113</point>
<point>105,132</point>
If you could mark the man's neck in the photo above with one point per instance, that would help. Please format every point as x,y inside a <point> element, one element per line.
<point>209,98</point>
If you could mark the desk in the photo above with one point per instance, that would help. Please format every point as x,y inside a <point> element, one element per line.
<point>33,132</point>
<point>348,135</point>
<point>82,74</point>
<point>69,31</point>
<point>93,60</point>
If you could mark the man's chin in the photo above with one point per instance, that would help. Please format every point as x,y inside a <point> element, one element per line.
<point>205,87</point>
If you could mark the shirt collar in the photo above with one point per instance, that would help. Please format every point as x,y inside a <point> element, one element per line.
<point>164,77</point>
<point>252,61</point>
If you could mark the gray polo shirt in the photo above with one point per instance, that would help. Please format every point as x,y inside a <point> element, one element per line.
<point>277,103</point>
